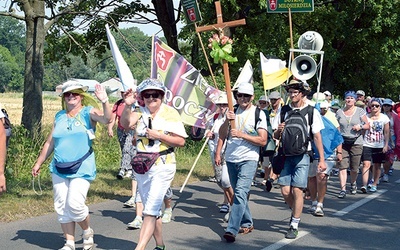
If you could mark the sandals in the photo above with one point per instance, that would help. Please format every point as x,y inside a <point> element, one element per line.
<point>88,242</point>
<point>246,230</point>
<point>224,208</point>
<point>342,194</point>
<point>306,194</point>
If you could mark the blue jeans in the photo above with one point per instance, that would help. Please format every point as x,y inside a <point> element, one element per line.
<point>240,175</point>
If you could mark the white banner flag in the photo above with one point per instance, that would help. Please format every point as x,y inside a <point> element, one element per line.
<point>246,74</point>
<point>124,73</point>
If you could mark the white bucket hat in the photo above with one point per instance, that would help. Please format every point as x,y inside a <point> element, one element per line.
<point>72,85</point>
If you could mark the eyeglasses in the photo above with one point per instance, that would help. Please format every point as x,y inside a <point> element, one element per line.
<point>273,100</point>
<point>243,95</point>
<point>222,105</point>
<point>153,95</point>
<point>375,105</point>
<point>387,105</point>
<point>263,103</point>
<point>68,94</point>
<point>293,92</point>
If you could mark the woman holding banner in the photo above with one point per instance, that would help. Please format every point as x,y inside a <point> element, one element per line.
<point>159,129</point>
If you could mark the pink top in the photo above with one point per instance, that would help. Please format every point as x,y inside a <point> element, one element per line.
<point>117,109</point>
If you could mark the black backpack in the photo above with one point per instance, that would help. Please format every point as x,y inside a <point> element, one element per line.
<point>7,123</point>
<point>295,135</point>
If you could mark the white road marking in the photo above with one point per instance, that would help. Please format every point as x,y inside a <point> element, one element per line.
<point>359,203</point>
<point>285,242</point>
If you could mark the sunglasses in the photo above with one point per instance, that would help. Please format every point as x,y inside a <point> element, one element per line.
<point>243,95</point>
<point>263,103</point>
<point>375,105</point>
<point>68,94</point>
<point>153,95</point>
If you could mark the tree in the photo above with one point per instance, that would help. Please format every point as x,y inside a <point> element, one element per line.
<point>361,41</point>
<point>50,19</point>
<point>9,71</point>
<point>12,34</point>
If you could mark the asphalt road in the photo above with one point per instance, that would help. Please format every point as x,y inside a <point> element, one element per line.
<point>361,221</point>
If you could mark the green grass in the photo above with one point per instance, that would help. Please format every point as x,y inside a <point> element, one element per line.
<point>23,152</point>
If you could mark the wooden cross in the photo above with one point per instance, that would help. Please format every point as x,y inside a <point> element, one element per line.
<point>221,25</point>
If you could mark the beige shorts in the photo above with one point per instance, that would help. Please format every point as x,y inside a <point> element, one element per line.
<point>351,157</point>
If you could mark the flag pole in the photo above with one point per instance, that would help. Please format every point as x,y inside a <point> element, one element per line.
<point>194,164</point>
<point>205,55</point>
<point>197,159</point>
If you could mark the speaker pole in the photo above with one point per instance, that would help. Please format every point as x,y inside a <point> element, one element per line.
<point>291,31</point>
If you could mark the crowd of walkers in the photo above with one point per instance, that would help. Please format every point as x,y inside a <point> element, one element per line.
<point>310,138</point>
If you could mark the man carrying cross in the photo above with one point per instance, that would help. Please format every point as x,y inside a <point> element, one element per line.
<point>242,153</point>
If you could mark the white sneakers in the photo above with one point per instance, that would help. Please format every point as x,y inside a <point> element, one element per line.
<point>136,223</point>
<point>167,215</point>
<point>130,202</point>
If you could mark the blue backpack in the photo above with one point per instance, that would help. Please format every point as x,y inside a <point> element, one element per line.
<point>331,139</point>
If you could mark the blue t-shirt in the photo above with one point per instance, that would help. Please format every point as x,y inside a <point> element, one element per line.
<point>71,142</point>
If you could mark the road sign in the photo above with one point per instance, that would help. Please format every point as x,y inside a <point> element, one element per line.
<point>192,12</point>
<point>283,6</point>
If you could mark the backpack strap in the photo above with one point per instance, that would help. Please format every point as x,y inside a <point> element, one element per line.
<point>257,117</point>
<point>309,110</point>
<point>284,110</point>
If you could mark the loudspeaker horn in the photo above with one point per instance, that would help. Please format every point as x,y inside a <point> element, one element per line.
<point>303,67</point>
<point>311,40</point>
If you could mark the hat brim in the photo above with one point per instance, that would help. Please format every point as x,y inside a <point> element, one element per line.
<point>152,88</point>
<point>71,88</point>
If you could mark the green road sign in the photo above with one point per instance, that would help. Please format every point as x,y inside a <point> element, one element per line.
<point>192,12</point>
<point>283,6</point>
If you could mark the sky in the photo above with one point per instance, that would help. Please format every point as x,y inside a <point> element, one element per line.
<point>151,29</point>
<point>148,29</point>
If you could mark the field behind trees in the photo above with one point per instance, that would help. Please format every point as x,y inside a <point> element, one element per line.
<point>27,197</point>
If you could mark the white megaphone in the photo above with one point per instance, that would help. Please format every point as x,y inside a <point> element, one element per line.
<point>311,40</point>
<point>303,67</point>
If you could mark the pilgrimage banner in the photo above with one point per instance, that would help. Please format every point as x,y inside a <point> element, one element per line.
<point>187,90</point>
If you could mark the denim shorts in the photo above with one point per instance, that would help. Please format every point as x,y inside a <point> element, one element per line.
<point>295,171</point>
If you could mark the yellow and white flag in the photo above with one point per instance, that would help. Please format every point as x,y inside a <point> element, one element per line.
<point>124,73</point>
<point>274,72</point>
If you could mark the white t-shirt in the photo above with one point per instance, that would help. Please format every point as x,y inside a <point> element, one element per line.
<point>215,124</point>
<point>238,149</point>
<point>317,124</point>
<point>374,137</point>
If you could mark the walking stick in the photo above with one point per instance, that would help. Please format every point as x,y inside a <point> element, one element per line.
<point>195,162</point>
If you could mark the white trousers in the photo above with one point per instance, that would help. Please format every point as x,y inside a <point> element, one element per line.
<point>153,186</point>
<point>69,198</point>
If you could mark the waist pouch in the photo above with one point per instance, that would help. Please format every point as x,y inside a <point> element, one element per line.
<point>73,166</point>
<point>143,161</point>
<point>349,140</point>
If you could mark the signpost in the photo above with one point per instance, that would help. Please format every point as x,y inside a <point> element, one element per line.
<point>283,6</point>
<point>192,12</point>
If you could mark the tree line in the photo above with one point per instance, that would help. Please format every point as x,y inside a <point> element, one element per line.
<point>361,42</point>
<point>59,69</point>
